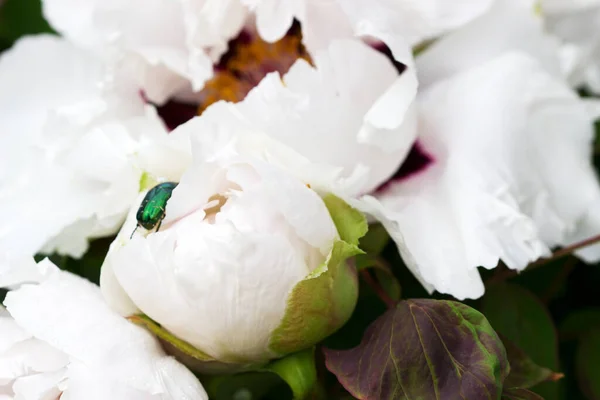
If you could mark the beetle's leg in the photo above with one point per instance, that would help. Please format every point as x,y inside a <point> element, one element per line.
<point>130,237</point>
<point>158,227</point>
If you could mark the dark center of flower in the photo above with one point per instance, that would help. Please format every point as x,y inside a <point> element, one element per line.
<point>174,113</point>
<point>247,61</point>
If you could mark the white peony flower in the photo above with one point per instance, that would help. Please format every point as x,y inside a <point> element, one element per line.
<point>494,116</point>
<point>59,340</point>
<point>248,265</point>
<point>74,149</point>
<point>323,21</point>
<point>166,45</point>
<point>576,23</point>
<point>507,175</point>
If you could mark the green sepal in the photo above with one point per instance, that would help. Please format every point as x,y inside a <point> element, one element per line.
<point>298,370</point>
<point>323,302</point>
<point>351,224</point>
<point>196,360</point>
<point>375,240</point>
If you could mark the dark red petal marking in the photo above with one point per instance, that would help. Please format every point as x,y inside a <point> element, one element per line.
<point>385,50</point>
<point>416,162</point>
<point>174,113</point>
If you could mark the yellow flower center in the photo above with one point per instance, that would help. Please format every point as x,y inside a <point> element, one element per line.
<point>248,60</point>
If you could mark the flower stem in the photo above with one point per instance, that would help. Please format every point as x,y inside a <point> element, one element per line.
<point>564,252</point>
<point>379,291</point>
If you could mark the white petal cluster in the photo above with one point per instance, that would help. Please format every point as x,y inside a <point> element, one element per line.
<point>323,21</point>
<point>165,46</point>
<point>75,145</point>
<point>509,149</point>
<point>484,91</point>
<point>352,96</point>
<point>59,339</point>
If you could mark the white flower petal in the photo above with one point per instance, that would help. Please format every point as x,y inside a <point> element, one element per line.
<point>113,292</point>
<point>372,207</point>
<point>11,332</point>
<point>179,384</point>
<point>15,271</point>
<point>325,21</point>
<point>274,17</point>
<point>38,386</point>
<point>303,210</point>
<point>87,383</point>
<point>576,24</point>
<point>415,20</point>
<point>463,48</point>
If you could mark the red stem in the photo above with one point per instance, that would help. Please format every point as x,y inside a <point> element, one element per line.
<point>504,274</point>
<point>366,276</point>
<point>565,252</point>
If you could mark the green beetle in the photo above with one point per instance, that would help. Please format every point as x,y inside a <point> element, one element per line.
<point>152,210</point>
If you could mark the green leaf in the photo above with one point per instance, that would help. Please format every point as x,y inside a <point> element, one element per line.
<point>323,302</point>
<point>579,323</point>
<point>587,361</point>
<point>524,320</point>
<point>299,372</point>
<point>524,373</point>
<point>520,394</point>
<point>21,17</point>
<point>196,360</point>
<point>424,349</point>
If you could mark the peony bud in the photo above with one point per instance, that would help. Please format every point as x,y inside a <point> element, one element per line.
<point>249,264</point>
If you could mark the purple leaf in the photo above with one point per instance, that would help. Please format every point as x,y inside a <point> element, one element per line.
<point>424,349</point>
<point>524,373</point>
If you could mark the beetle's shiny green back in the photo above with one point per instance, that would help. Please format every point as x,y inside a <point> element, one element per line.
<point>152,209</point>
